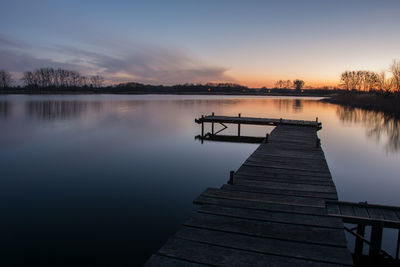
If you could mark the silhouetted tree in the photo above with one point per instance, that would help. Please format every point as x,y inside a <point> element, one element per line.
<point>97,81</point>
<point>298,84</point>
<point>59,78</point>
<point>384,84</point>
<point>279,83</point>
<point>395,70</point>
<point>5,79</point>
<point>288,83</point>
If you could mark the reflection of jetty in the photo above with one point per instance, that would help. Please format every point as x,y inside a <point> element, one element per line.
<point>278,208</point>
<point>215,136</point>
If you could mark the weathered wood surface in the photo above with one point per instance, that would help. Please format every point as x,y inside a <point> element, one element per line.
<point>274,213</point>
<point>365,214</point>
<point>256,121</point>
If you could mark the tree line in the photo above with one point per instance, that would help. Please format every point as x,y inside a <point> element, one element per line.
<point>297,84</point>
<point>370,81</point>
<point>52,78</point>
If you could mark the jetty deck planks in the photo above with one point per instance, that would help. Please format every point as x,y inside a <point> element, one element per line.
<point>274,213</point>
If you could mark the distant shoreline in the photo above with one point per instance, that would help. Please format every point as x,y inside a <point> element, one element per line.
<point>130,91</point>
<point>383,103</point>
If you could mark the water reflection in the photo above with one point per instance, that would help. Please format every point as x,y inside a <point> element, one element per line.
<point>5,109</point>
<point>377,125</point>
<point>60,109</point>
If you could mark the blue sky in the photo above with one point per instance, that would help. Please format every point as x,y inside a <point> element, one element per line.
<point>250,42</point>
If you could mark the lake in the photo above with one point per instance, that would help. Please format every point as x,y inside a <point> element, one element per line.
<point>106,179</point>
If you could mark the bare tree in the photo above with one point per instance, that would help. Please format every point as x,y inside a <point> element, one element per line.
<point>96,81</point>
<point>395,70</point>
<point>5,79</point>
<point>384,84</point>
<point>288,83</point>
<point>298,84</point>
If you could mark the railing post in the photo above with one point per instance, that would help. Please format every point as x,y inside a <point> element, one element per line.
<point>398,245</point>
<point>202,125</point>
<point>231,177</point>
<point>358,249</point>
<point>266,138</point>
<point>316,119</point>
<point>376,240</point>
<point>212,126</point>
<point>280,120</point>
<point>239,126</point>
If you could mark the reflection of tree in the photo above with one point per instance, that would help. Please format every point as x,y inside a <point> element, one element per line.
<point>59,109</point>
<point>4,109</point>
<point>377,123</point>
<point>297,105</point>
<point>286,105</point>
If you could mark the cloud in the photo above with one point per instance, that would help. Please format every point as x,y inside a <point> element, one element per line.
<point>128,62</point>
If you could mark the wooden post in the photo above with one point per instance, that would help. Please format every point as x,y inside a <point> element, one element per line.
<point>376,240</point>
<point>212,126</point>
<point>398,245</point>
<point>202,125</point>
<point>316,119</point>
<point>239,127</point>
<point>266,138</point>
<point>231,177</point>
<point>280,120</point>
<point>358,249</point>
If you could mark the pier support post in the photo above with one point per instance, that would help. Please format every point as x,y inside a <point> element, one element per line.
<point>239,126</point>
<point>376,240</point>
<point>212,126</point>
<point>398,245</point>
<point>231,177</point>
<point>202,125</point>
<point>358,249</point>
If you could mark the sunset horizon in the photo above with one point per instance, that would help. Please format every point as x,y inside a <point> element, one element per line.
<point>181,42</point>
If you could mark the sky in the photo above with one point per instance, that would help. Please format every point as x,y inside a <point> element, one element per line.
<point>254,43</point>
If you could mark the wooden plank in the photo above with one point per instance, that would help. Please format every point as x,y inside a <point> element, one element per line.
<point>288,192</point>
<point>389,215</point>
<point>375,213</point>
<point>240,180</point>
<point>278,178</point>
<point>360,211</point>
<point>265,198</point>
<point>202,199</point>
<point>288,170</point>
<point>223,256</point>
<point>300,233</point>
<point>346,210</point>
<point>280,160</point>
<point>273,216</point>
<point>333,209</point>
<point>159,260</point>
<point>267,246</point>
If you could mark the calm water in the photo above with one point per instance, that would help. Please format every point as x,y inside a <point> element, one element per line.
<point>106,179</point>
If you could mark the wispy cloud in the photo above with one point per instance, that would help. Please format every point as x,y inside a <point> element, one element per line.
<point>129,62</point>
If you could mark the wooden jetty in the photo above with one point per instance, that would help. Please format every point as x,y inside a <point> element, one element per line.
<point>272,212</point>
